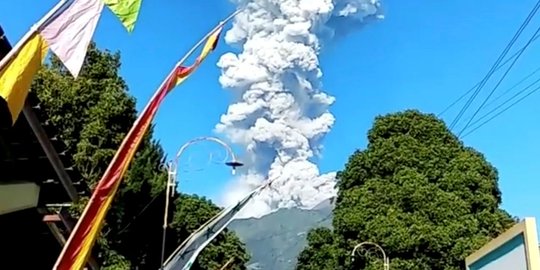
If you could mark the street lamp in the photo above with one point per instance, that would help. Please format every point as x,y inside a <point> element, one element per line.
<point>386,260</point>
<point>172,167</point>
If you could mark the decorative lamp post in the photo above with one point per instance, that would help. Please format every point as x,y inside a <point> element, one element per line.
<point>172,169</point>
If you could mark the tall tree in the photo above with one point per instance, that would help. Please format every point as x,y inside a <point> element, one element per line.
<point>94,113</point>
<point>418,192</point>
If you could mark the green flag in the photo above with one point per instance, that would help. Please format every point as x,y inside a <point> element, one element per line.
<point>126,10</point>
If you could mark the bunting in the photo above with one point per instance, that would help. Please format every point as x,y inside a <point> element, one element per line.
<point>67,30</point>
<point>80,243</point>
<point>16,78</point>
<point>126,10</point>
<point>69,33</point>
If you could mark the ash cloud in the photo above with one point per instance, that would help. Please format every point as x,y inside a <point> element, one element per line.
<point>279,112</point>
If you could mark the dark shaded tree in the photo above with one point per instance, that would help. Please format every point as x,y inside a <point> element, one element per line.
<point>417,191</point>
<point>94,113</point>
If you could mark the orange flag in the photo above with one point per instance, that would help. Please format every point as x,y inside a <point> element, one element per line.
<point>79,245</point>
<point>181,72</point>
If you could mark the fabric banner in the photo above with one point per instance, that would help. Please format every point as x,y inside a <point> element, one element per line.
<point>67,29</point>
<point>126,10</point>
<point>79,245</point>
<point>69,33</point>
<point>85,233</point>
<point>182,72</point>
<point>186,254</point>
<point>16,78</point>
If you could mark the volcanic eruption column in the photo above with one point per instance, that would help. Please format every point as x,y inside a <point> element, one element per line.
<point>279,112</point>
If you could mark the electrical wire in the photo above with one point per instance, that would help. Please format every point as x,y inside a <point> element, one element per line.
<point>496,64</point>
<point>513,87</point>
<point>508,100</point>
<point>478,83</point>
<point>504,110</point>
<point>499,82</point>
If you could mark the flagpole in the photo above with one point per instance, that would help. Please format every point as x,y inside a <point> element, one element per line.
<point>190,52</point>
<point>154,96</point>
<point>15,50</point>
<point>198,44</point>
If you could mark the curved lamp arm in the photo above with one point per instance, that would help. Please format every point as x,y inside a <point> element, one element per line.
<point>233,163</point>
<point>172,170</point>
<point>173,165</point>
<point>386,260</point>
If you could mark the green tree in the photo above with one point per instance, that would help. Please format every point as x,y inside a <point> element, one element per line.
<point>319,254</point>
<point>417,191</point>
<point>93,113</point>
<point>192,211</point>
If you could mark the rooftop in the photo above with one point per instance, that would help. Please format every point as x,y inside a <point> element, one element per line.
<point>31,151</point>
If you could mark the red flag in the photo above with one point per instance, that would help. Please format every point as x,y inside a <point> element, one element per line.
<point>80,243</point>
<point>181,72</point>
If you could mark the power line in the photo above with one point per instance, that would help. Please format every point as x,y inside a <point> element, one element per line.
<point>504,110</point>
<point>508,100</point>
<point>496,64</point>
<point>492,70</point>
<point>513,87</point>
<point>476,85</point>
<point>499,82</point>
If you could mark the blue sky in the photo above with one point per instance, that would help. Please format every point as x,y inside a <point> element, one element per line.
<point>423,55</point>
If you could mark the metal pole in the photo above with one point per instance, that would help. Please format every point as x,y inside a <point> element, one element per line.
<point>169,187</point>
<point>172,179</point>
<point>156,93</point>
<point>179,63</point>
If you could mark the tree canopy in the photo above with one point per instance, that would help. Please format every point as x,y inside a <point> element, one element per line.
<point>418,192</point>
<point>93,113</point>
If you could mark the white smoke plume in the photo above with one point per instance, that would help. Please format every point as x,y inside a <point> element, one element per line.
<point>280,114</point>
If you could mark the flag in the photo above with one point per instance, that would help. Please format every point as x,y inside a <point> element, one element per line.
<point>80,242</point>
<point>82,239</point>
<point>126,10</point>
<point>67,29</point>
<point>69,32</point>
<point>16,77</point>
<point>186,254</point>
<point>181,72</point>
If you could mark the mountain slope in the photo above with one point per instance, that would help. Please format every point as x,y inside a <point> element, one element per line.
<point>275,240</point>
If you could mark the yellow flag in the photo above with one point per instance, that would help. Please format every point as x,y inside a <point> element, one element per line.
<point>16,77</point>
<point>211,43</point>
<point>182,73</point>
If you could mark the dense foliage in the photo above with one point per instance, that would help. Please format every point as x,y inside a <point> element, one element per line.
<point>418,192</point>
<point>94,113</point>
